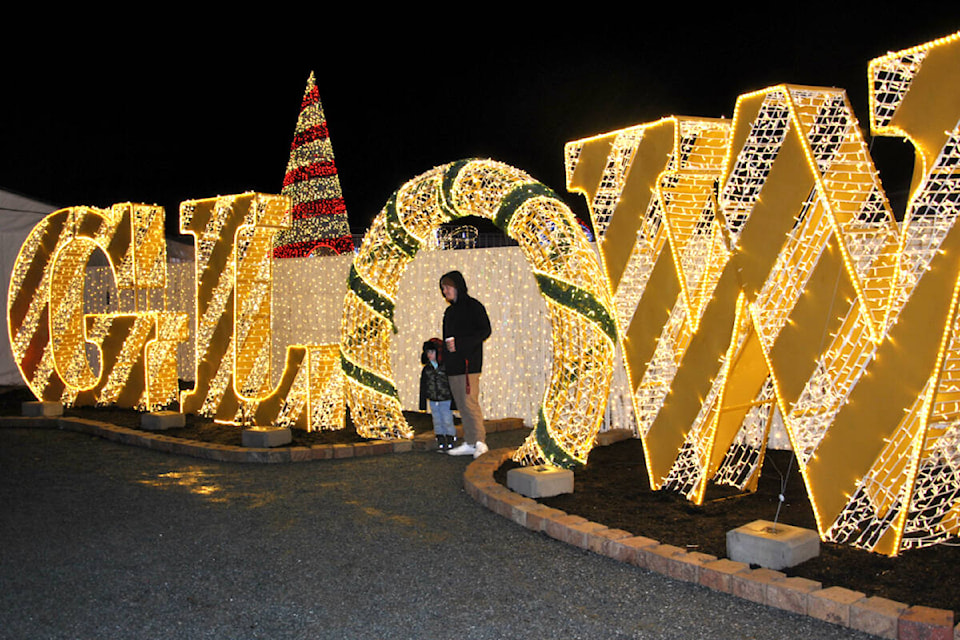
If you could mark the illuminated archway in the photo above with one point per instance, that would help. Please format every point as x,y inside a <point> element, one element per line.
<point>567,273</point>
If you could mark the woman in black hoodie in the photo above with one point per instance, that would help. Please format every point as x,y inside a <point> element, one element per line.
<point>465,327</point>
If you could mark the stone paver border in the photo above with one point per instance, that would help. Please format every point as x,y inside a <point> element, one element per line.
<point>230,453</point>
<point>878,616</point>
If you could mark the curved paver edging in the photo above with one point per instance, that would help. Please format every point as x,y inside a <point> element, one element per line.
<point>211,451</point>
<point>232,453</point>
<point>853,609</point>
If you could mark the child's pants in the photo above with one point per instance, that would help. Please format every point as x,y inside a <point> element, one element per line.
<point>442,418</point>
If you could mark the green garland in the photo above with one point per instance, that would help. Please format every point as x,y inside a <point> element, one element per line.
<point>368,378</point>
<point>551,450</point>
<point>399,236</point>
<point>580,300</point>
<point>513,201</point>
<point>446,187</point>
<point>508,205</point>
<point>377,301</point>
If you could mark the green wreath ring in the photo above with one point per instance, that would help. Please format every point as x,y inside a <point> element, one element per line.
<point>567,272</point>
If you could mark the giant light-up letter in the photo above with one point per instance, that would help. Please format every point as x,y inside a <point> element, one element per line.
<point>45,316</point>
<point>234,238</point>
<point>811,296</point>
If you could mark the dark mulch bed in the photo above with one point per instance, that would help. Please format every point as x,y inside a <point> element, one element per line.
<point>613,489</point>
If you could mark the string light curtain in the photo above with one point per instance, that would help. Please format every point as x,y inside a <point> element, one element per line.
<point>308,305</point>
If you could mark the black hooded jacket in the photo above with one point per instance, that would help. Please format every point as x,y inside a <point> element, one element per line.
<point>467,323</point>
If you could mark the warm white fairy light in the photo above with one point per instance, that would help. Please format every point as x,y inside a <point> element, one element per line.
<point>234,309</point>
<point>657,377</point>
<point>582,353</point>
<point>741,464</point>
<point>319,223</point>
<point>690,471</point>
<point>565,268</point>
<point>692,151</point>
<point>843,220</point>
<point>309,394</point>
<point>835,215</point>
<point>138,343</point>
<point>635,274</point>
<point>517,356</point>
<point>229,298</point>
<point>614,176</point>
<point>789,276</point>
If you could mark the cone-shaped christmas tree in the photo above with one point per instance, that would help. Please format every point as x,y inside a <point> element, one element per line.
<point>319,214</point>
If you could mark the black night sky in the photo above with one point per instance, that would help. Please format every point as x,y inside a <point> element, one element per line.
<point>161,116</point>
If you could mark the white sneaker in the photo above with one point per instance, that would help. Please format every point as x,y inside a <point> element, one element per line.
<point>463,450</point>
<point>480,449</point>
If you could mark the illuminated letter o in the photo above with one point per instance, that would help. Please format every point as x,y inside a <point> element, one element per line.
<point>567,273</point>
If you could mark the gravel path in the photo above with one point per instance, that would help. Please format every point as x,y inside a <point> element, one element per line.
<point>100,540</point>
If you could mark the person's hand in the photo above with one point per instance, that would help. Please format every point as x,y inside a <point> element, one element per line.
<point>451,347</point>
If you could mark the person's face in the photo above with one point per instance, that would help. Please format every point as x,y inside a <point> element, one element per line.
<point>449,292</point>
<point>431,356</point>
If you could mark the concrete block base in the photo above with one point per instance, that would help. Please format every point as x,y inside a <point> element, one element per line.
<point>162,420</point>
<point>770,545</point>
<point>36,408</point>
<point>266,437</point>
<point>541,481</point>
